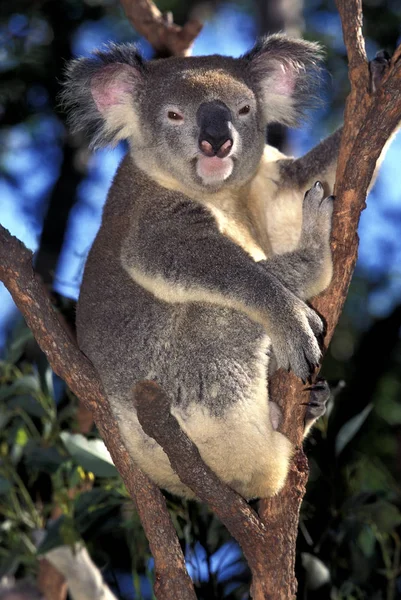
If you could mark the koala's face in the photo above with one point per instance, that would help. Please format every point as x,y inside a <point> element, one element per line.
<point>195,123</point>
<point>206,130</point>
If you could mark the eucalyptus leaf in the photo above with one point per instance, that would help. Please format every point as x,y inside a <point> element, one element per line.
<point>27,403</point>
<point>22,385</point>
<point>351,428</point>
<point>92,455</point>
<point>367,541</point>
<point>45,376</point>
<point>15,349</point>
<point>41,458</point>
<point>59,533</point>
<point>317,574</point>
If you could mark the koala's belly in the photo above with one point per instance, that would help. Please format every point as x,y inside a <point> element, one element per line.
<point>211,361</point>
<point>215,372</point>
<point>197,352</point>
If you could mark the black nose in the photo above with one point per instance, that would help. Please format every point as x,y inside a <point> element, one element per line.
<point>214,121</point>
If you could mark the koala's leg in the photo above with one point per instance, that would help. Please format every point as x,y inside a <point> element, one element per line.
<point>307,270</point>
<point>319,397</point>
<point>242,446</point>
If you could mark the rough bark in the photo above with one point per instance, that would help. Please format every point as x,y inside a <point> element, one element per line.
<point>50,581</point>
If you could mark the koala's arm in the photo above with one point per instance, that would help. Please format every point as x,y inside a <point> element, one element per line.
<point>320,164</point>
<point>178,254</point>
<point>307,271</point>
<point>84,580</point>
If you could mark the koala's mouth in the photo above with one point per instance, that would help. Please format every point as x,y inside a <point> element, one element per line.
<point>212,169</point>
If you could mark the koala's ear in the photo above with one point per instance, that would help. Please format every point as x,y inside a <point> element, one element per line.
<point>99,94</point>
<point>284,73</point>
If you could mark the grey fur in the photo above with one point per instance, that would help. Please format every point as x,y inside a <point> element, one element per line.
<point>192,280</point>
<point>76,97</point>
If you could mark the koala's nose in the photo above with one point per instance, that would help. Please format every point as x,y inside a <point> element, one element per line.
<point>215,137</point>
<point>216,147</point>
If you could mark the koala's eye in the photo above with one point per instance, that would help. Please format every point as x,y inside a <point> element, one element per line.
<point>244,110</point>
<point>174,116</point>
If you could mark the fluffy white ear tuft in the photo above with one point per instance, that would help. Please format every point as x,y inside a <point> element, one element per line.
<point>100,93</point>
<point>284,73</point>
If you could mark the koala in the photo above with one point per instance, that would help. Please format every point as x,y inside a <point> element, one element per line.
<point>210,245</point>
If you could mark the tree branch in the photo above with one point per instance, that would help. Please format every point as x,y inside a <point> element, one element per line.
<point>172,580</point>
<point>369,121</point>
<point>257,541</point>
<point>269,542</point>
<point>159,29</point>
<point>242,522</point>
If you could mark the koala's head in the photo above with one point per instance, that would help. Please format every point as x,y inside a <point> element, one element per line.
<point>198,121</point>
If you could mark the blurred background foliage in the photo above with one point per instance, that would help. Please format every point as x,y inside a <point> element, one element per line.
<point>55,473</point>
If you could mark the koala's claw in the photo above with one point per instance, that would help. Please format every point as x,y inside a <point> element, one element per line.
<point>320,395</point>
<point>317,213</point>
<point>315,199</point>
<point>378,68</point>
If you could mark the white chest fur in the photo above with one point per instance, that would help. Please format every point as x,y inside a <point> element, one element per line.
<point>267,218</point>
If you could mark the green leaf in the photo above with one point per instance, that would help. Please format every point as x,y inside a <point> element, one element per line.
<point>22,335</point>
<point>94,508</point>
<point>45,376</point>
<point>21,439</point>
<point>23,385</point>
<point>27,403</point>
<point>351,428</point>
<point>60,533</point>
<point>383,514</point>
<point>41,458</point>
<point>367,541</point>
<point>92,455</point>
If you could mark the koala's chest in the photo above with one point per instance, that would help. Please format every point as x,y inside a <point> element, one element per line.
<point>266,221</point>
<point>240,230</point>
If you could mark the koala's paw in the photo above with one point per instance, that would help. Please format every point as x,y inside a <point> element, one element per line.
<point>378,67</point>
<point>316,407</point>
<point>317,215</point>
<point>297,340</point>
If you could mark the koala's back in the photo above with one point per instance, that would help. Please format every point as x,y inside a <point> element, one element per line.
<point>211,360</point>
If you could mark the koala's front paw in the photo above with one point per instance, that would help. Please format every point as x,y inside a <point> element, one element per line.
<point>317,215</point>
<point>296,340</point>
<point>378,67</point>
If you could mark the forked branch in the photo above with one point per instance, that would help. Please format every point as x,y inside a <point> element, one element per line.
<point>269,541</point>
